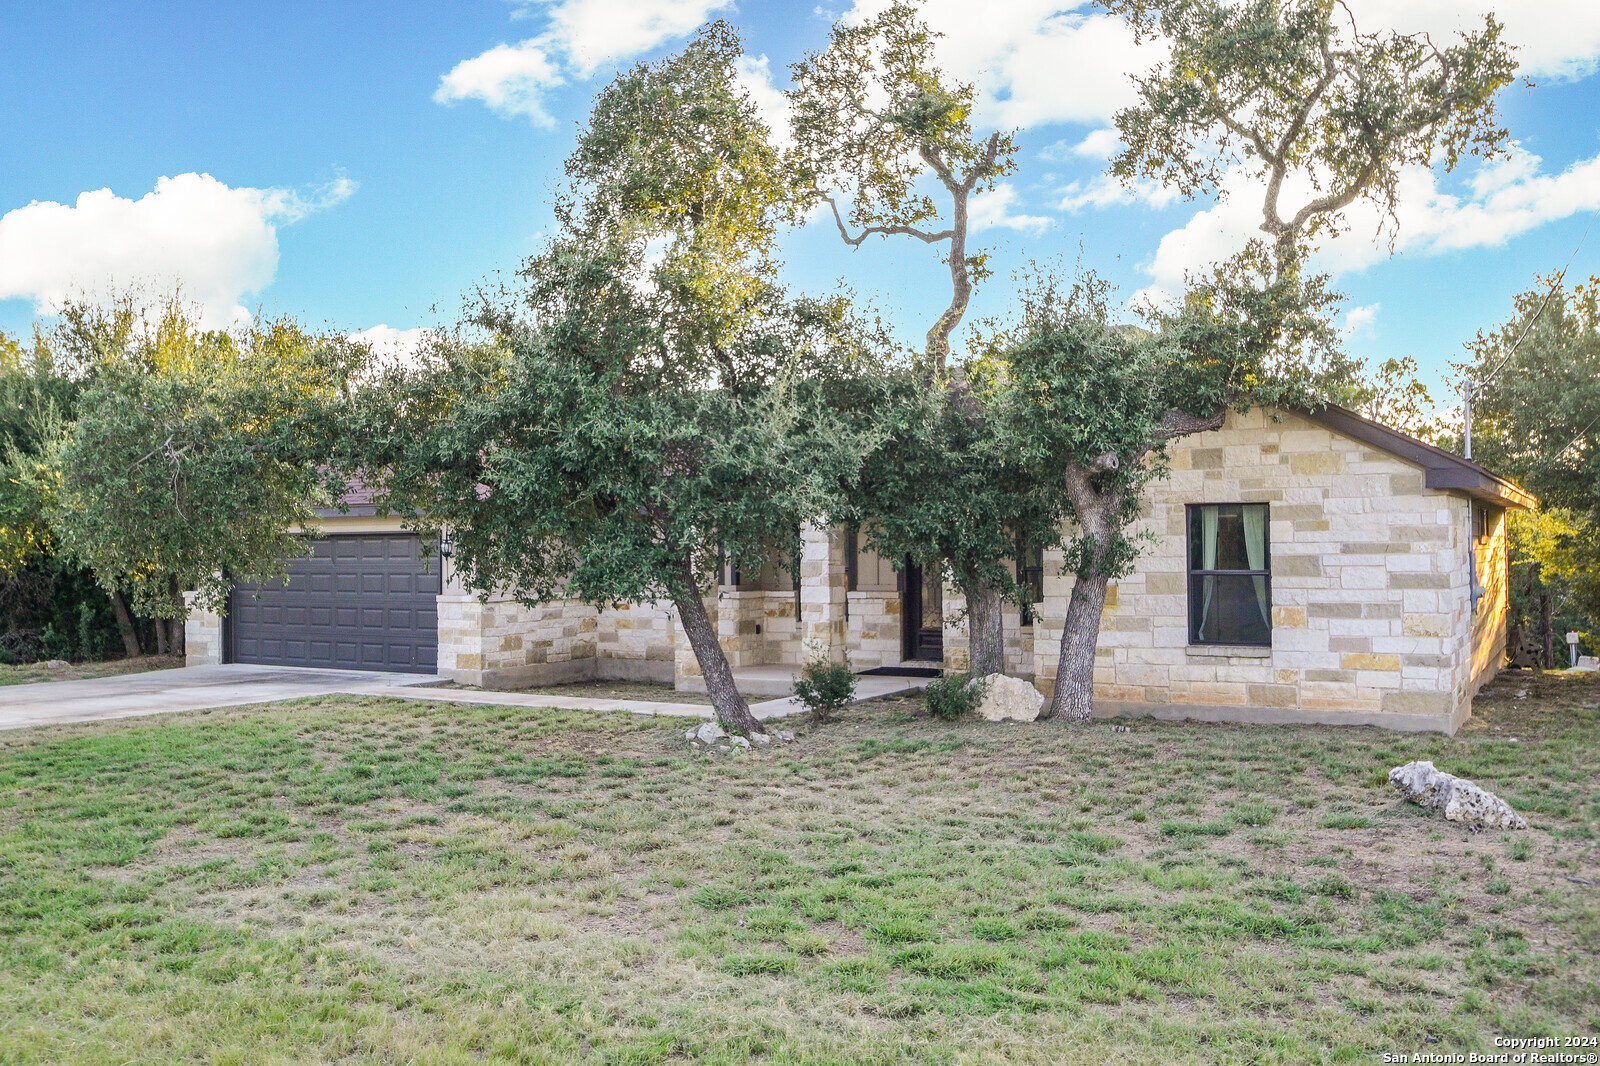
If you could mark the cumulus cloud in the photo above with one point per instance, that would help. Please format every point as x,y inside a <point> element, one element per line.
<point>192,231</point>
<point>755,77</point>
<point>1103,190</point>
<point>1502,200</point>
<point>1360,320</point>
<point>1555,38</point>
<point>510,80</point>
<point>995,209</point>
<point>1035,62</point>
<point>391,346</point>
<point>580,37</point>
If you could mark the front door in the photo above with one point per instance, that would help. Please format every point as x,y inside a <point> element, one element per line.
<point>921,614</point>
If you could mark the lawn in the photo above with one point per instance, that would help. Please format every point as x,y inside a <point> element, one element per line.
<point>29,673</point>
<point>381,881</point>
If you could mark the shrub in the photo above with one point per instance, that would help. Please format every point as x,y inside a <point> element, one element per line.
<point>952,696</point>
<point>825,688</point>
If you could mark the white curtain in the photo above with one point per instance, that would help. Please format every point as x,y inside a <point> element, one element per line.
<point>1208,561</point>
<point>1255,549</point>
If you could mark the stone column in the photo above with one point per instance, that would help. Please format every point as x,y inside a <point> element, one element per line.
<point>202,635</point>
<point>824,586</point>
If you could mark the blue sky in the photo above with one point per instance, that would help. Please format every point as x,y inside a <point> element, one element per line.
<point>365,164</point>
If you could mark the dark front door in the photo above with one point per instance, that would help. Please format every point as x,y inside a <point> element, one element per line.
<point>921,614</point>
<point>358,602</point>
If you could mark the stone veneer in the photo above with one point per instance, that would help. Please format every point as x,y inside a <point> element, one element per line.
<point>1371,590</point>
<point>1372,601</point>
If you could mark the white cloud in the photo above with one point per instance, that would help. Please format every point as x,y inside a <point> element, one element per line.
<point>755,77</point>
<point>1360,320</point>
<point>509,80</point>
<point>1035,61</point>
<point>1502,200</point>
<point>580,37</point>
<point>391,346</point>
<point>217,243</point>
<point>1555,38</point>
<point>993,209</point>
<point>1103,190</point>
<point>593,32</point>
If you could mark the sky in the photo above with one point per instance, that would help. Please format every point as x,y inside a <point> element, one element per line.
<point>364,166</point>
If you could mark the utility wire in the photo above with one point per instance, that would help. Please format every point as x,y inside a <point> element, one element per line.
<point>1544,303</point>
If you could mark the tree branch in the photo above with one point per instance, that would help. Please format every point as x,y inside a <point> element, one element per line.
<point>884,231</point>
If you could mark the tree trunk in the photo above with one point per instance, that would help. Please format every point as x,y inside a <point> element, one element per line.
<point>1546,628</point>
<point>733,713</point>
<point>125,626</point>
<point>161,635</point>
<point>1095,512</point>
<point>177,640</point>
<point>986,640</point>
<point>1074,694</point>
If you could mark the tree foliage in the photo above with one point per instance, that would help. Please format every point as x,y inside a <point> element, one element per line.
<point>872,116</point>
<point>192,455</point>
<point>1292,89</point>
<point>649,404</point>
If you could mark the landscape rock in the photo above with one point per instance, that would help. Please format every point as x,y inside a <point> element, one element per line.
<point>57,664</point>
<point>739,742</point>
<point>1462,801</point>
<point>708,733</point>
<point>761,738</point>
<point>1009,698</point>
<point>784,735</point>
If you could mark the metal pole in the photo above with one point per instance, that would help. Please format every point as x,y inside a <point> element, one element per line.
<point>1466,415</point>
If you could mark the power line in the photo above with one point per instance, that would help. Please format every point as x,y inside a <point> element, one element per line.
<point>1467,385</point>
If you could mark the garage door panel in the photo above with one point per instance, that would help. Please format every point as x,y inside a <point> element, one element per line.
<point>356,601</point>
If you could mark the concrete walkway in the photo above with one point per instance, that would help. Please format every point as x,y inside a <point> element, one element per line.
<point>197,688</point>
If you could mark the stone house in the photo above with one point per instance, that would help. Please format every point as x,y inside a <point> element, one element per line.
<point>1302,567</point>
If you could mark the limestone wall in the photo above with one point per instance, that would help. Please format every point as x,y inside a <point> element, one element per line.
<point>1369,587</point>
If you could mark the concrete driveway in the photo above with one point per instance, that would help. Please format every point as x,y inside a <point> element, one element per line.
<point>190,688</point>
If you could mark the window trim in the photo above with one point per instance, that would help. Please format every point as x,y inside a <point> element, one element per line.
<point>1190,573</point>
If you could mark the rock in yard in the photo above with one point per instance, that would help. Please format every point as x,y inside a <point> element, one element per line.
<point>739,742</point>
<point>1009,697</point>
<point>1461,800</point>
<point>761,738</point>
<point>57,664</point>
<point>709,733</point>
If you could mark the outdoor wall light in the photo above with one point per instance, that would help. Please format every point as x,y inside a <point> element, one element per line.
<point>447,547</point>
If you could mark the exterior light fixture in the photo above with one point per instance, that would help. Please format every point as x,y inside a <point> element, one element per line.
<point>447,546</point>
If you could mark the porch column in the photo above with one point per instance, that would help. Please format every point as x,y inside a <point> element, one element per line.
<point>824,591</point>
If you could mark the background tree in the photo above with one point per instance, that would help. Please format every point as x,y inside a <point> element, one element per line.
<point>1536,418</point>
<point>192,455</point>
<point>650,405</point>
<point>1292,94</point>
<point>875,121</point>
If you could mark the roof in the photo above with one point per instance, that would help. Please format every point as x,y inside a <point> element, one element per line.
<point>1443,470</point>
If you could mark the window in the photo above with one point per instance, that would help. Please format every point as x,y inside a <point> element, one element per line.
<point>1030,576</point>
<point>1230,577</point>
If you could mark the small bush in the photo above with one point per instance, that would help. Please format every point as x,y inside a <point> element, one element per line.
<point>952,696</point>
<point>825,688</point>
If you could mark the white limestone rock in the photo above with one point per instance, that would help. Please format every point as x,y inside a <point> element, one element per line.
<point>709,733</point>
<point>57,664</point>
<point>1461,800</point>
<point>1009,697</point>
<point>740,742</point>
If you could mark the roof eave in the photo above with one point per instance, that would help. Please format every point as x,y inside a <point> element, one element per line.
<point>1442,470</point>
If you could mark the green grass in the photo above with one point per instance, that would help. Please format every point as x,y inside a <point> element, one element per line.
<point>375,881</point>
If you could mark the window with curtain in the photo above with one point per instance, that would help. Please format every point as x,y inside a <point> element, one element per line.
<point>1230,578</point>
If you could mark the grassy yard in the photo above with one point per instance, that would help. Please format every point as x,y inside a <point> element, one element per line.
<point>374,881</point>
<point>30,673</point>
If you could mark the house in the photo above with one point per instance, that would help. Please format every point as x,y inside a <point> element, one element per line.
<point>1303,567</point>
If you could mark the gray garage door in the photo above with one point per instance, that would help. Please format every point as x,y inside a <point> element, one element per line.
<point>356,603</point>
